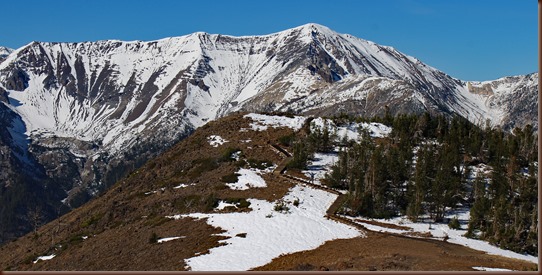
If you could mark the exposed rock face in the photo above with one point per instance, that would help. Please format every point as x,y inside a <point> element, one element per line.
<point>88,113</point>
<point>484,89</point>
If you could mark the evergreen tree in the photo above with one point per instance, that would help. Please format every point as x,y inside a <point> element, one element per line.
<point>480,207</point>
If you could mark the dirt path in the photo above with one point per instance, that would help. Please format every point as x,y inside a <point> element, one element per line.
<point>332,210</point>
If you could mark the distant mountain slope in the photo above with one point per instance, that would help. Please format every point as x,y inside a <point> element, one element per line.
<point>4,52</point>
<point>90,112</point>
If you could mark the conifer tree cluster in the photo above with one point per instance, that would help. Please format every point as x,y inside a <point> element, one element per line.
<point>425,168</point>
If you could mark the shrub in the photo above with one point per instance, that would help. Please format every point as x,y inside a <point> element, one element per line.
<point>296,202</point>
<point>201,166</point>
<point>153,238</point>
<point>454,223</point>
<point>227,154</point>
<point>185,204</point>
<point>243,204</point>
<point>230,178</point>
<point>92,220</point>
<point>281,207</point>
<point>239,202</point>
<point>156,220</point>
<point>286,140</point>
<point>259,164</point>
<point>241,163</point>
<point>210,202</point>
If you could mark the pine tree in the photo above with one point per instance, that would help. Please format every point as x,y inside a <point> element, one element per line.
<point>480,208</point>
<point>419,190</point>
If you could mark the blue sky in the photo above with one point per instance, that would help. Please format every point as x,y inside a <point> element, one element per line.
<point>468,39</point>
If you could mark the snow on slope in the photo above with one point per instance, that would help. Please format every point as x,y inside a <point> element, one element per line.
<point>4,52</point>
<point>351,131</point>
<point>481,268</point>
<point>262,122</point>
<point>51,108</point>
<point>248,178</point>
<point>270,233</point>
<point>440,230</point>
<point>168,239</point>
<point>215,140</point>
<point>44,258</point>
<point>320,165</point>
<point>112,91</point>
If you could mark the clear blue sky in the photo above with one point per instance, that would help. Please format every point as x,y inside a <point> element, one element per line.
<point>468,39</point>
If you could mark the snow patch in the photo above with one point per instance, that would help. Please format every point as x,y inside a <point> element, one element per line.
<point>163,240</point>
<point>441,230</point>
<point>236,155</point>
<point>320,165</point>
<point>216,141</point>
<point>262,122</point>
<point>352,130</point>
<point>481,268</point>
<point>223,204</point>
<point>44,258</point>
<point>248,178</point>
<point>270,234</point>
<point>155,191</point>
<point>183,185</point>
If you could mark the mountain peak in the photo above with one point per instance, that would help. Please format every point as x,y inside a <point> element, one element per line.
<point>312,29</point>
<point>313,26</point>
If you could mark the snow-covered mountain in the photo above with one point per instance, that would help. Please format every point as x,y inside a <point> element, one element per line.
<point>89,112</point>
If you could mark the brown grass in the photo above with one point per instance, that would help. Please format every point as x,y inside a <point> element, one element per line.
<point>384,252</point>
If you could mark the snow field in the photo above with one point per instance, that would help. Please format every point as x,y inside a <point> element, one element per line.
<point>269,233</point>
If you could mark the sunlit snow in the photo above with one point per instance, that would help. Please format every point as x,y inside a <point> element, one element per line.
<point>481,268</point>
<point>183,185</point>
<point>262,122</point>
<point>223,204</point>
<point>248,178</point>
<point>44,258</point>
<point>163,240</point>
<point>269,233</point>
<point>320,164</point>
<point>352,130</point>
<point>441,230</point>
<point>216,141</point>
